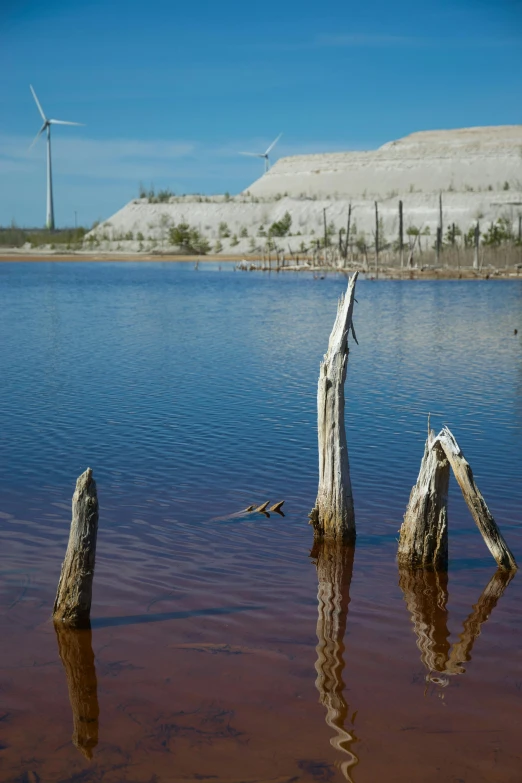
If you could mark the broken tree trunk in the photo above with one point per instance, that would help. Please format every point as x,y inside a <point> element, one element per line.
<point>333,514</point>
<point>423,541</point>
<point>476,503</point>
<point>401,235</point>
<point>73,598</point>
<point>476,243</point>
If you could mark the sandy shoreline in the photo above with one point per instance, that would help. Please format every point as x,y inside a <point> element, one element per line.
<point>26,257</point>
<point>385,273</point>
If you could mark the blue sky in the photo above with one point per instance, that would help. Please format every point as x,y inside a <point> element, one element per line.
<point>170,92</point>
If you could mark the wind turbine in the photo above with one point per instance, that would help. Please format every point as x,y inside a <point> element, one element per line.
<point>263,154</point>
<point>47,127</point>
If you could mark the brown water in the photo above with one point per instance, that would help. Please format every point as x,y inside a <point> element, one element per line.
<point>222,648</point>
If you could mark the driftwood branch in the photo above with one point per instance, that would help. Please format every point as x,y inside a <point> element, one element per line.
<point>333,514</point>
<point>75,649</point>
<point>334,563</point>
<point>423,541</point>
<point>73,598</point>
<point>476,503</point>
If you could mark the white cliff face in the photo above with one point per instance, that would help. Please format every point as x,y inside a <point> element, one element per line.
<point>427,161</point>
<point>477,170</point>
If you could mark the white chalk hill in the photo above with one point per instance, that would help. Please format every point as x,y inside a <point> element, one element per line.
<point>478,171</point>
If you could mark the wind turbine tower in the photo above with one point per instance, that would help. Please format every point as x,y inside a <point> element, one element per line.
<point>47,127</point>
<point>264,154</point>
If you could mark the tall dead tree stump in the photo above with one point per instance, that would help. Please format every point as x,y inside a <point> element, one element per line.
<point>73,598</point>
<point>333,514</point>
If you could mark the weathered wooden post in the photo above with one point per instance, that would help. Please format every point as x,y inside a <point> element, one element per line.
<point>348,229</point>
<point>401,235</point>
<point>423,541</point>
<point>476,503</point>
<point>333,515</point>
<point>376,238</point>
<point>73,598</point>
<point>476,243</point>
<point>439,231</point>
<point>75,650</point>
<point>334,562</point>
<point>325,238</point>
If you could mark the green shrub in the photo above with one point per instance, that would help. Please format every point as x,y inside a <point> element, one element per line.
<point>188,239</point>
<point>281,227</point>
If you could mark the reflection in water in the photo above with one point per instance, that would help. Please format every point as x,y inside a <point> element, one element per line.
<point>75,648</point>
<point>334,571</point>
<point>426,596</point>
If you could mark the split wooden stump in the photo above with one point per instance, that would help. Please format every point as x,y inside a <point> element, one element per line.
<point>333,514</point>
<point>73,598</point>
<point>423,539</point>
<point>424,533</point>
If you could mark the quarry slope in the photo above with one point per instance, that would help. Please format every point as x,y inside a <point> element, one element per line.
<point>477,170</point>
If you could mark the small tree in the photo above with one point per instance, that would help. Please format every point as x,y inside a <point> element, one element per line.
<point>223,230</point>
<point>281,227</point>
<point>499,232</point>
<point>188,239</point>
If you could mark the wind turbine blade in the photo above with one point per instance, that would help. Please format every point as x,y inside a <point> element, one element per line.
<point>38,136</point>
<point>253,154</point>
<point>271,147</point>
<point>44,118</point>
<point>63,122</point>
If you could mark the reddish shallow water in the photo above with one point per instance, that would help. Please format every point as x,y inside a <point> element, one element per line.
<point>220,649</point>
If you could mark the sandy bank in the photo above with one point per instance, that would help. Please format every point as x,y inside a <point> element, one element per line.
<point>255,263</point>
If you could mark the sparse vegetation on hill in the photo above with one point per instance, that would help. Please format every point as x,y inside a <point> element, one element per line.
<point>188,239</point>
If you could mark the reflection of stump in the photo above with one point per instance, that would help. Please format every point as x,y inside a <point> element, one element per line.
<point>461,651</point>
<point>334,572</point>
<point>426,596</point>
<point>75,648</point>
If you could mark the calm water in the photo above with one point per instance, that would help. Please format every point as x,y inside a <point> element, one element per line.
<point>222,650</point>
